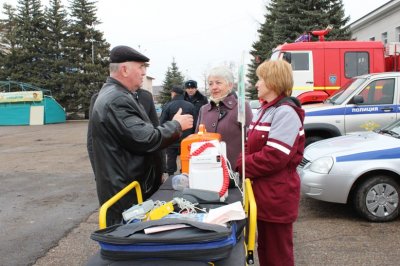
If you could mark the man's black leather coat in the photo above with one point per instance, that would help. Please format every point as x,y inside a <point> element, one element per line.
<point>124,145</point>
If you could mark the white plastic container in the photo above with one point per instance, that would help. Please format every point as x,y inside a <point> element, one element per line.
<point>205,169</point>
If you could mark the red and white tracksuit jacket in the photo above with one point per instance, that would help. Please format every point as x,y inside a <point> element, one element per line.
<point>273,150</point>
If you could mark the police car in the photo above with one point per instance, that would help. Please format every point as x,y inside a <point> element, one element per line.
<point>365,103</point>
<point>361,168</point>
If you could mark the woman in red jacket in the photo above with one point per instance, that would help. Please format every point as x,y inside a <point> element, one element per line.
<point>274,148</point>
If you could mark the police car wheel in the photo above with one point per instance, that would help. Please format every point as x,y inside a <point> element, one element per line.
<point>377,199</point>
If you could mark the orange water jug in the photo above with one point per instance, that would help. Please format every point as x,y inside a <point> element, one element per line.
<point>201,135</point>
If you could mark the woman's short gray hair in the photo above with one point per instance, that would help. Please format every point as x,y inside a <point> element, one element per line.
<point>222,72</point>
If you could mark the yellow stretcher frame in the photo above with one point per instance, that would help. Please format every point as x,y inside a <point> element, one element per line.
<point>103,209</point>
<point>250,208</point>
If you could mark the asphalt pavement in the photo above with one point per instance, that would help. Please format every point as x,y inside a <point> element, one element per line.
<point>47,188</point>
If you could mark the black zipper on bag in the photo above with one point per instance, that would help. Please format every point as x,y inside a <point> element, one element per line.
<point>206,255</point>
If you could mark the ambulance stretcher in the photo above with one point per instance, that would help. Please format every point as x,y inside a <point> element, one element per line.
<point>241,254</point>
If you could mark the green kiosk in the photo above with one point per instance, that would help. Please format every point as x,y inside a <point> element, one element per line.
<point>25,104</point>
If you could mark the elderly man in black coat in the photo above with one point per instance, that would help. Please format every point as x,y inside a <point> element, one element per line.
<point>124,139</point>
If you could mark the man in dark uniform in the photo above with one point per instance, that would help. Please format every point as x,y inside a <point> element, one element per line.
<point>124,138</point>
<point>169,110</point>
<point>195,97</point>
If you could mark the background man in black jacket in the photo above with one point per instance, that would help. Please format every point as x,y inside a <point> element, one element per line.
<point>124,139</point>
<point>193,96</point>
<point>169,110</point>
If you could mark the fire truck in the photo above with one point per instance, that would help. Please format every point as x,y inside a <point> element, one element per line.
<point>321,67</point>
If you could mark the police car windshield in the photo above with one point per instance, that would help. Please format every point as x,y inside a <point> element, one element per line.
<point>392,129</point>
<point>389,132</point>
<point>345,91</point>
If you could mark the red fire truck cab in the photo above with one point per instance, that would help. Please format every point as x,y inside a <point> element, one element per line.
<point>321,68</point>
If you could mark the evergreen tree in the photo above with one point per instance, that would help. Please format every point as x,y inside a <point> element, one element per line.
<point>8,43</point>
<point>46,49</point>
<point>337,18</point>
<point>172,77</point>
<point>286,20</point>
<point>87,53</point>
<point>262,48</point>
<point>30,36</point>
<point>55,57</point>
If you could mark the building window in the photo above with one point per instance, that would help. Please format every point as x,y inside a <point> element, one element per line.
<point>397,34</point>
<point>356,63</point>
<point>372,39</point>
<point>384,37</point>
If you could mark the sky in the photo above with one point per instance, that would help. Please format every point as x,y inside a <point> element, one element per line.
<point>198,35</point>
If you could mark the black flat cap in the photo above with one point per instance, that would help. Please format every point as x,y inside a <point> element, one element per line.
<point>177,89</point>
<point>190,84</point>
<point>122,53</point>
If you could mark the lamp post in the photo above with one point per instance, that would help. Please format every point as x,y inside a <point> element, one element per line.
<point>92,29</point>
<point>92,40</point>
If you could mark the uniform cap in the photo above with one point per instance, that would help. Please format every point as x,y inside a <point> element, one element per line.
<point>190,84</point>
<point>177,89</point>
<point>122,53</point>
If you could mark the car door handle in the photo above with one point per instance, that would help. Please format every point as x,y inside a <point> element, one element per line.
<point>309,82</point>
<point>387,109</point>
